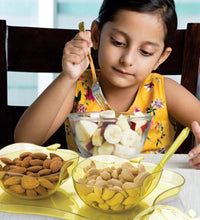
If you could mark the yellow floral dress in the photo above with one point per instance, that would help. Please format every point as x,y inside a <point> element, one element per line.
<point>150,99</point>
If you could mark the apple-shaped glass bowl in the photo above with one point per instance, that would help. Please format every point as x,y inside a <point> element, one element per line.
<point>29,171</point>
<point>113,184</point>
<point>110,133</point>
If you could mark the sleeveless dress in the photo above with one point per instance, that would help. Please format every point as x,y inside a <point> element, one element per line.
<point>150,99</point>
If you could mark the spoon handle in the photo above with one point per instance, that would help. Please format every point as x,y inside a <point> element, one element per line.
<point>175,145</point>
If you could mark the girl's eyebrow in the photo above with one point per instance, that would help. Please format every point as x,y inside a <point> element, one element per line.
<point>146,42</point>
<point>121,32</point>
<point>152,43</point>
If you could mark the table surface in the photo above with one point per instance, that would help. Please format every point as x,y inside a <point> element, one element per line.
<point>188,198</point>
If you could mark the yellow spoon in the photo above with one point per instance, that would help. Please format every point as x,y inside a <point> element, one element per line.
<point>176,144</point>
<point>152,180</point>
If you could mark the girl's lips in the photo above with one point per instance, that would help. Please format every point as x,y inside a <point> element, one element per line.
<point>122,72</point>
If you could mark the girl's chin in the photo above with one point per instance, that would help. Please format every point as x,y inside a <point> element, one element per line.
<point>118,81</point>
<point>121,85</point>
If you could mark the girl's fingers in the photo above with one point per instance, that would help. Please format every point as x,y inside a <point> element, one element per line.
<point>194,153</point>
<point>75,54</point>
<point>84,36</point>
<point>196,131</point>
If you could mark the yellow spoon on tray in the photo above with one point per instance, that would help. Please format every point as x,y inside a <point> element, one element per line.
<point>152,180</point>
<point>176,144</point>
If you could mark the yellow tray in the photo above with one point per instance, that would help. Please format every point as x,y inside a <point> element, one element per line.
<point>66,204</point>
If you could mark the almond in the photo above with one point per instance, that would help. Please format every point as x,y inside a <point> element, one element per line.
<point>16,189</point>
<point>2,174</point>
<point>47,163</point>
<point>29,182</point>
<point>46,183</point>
<point>6,161</point>
<point>41,156</point>
<point>34,168</point>
<point>56,165</point>
<point>53,178</point>
<point>24,154</point>
<point>6,167</point>
<point>29,173</point>
<point>14,180</point>
<point>52,155</point>
<point>67,163</point>
<point>26,161</point>
<point>36,162</point>
<point>1,168</point>
<point>31,193</point>
<point>56,158</point>
<point>41,190</point>
<point>21,170</point>
<point>65,174</point>
<point>44,172</point>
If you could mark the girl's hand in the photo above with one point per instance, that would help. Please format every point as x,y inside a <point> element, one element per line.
<point>75,60</point>
<point>196,159</point>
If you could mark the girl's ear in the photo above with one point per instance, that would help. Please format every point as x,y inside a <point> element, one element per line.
<point>95,34</point>
<point>163,57</point>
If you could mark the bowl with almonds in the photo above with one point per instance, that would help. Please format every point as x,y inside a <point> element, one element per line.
<point>113,184</point>
<point>110,133</point>
<point>30,171</point>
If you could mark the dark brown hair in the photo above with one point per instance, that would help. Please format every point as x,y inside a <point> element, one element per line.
<point>166,9</point>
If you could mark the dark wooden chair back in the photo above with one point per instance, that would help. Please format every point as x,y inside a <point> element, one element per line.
<point>31,49</point>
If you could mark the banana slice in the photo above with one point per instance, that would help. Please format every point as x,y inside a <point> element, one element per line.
<point>83,144</point>
<point>130,138</point>
<point>122,122</point>
<point>124,151</point>
<point>106,149</point>
<point>113,134</point>
<point>95,151</point>
<point>107,114</point>
<point>97,138</point>
<point>84,129</point>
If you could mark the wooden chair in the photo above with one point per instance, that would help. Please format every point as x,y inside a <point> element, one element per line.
<point>31,49</point>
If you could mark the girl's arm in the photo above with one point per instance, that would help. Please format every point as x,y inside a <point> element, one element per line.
<point>185,107</point>
<point>52,107</point>
<point>181,104</point>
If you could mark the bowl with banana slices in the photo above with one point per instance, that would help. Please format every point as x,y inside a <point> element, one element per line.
<point>110,133</point>
<point>113,184</point>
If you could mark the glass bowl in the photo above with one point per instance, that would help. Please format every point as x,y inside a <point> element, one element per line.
<point>110,133</point>
<point>113,184</point>
<point>29,171</point>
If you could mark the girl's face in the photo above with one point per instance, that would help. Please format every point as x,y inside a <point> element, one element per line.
<point>130,47</point>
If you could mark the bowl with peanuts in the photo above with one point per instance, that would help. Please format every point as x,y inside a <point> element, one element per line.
<point>113,184</point>
<point>110,133</point>
<point>30,171</point>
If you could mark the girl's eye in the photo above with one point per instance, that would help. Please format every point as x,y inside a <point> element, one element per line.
<point>117,43</point>
<point>145,53</point>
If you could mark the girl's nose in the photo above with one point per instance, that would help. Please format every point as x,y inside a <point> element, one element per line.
<point>127,58</point>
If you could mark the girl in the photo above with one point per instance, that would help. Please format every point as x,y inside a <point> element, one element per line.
<point>133,38</point>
